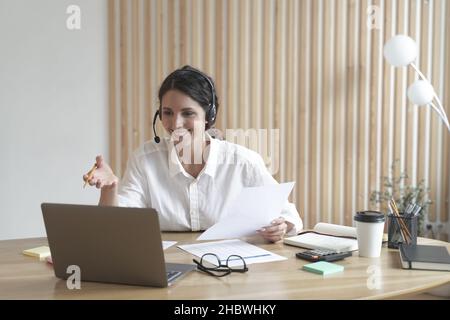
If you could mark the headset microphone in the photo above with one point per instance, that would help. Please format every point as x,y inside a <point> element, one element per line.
<point>156,138</point>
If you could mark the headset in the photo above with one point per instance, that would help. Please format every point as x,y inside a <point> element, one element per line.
<point>210,114</point>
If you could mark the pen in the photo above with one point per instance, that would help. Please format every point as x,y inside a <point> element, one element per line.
<point>410,208</point>
<point>417,210</point>
<point>89,174</point>
<point>401,224</point>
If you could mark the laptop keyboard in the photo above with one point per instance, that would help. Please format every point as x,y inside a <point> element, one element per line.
<point>172,275</point>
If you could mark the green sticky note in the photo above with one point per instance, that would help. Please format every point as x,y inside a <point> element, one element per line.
<point>323,267</point>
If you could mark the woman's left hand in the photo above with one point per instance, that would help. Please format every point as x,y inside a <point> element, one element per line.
<point>276,231</point>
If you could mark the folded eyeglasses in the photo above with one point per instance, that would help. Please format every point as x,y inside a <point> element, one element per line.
<point>221,269</point>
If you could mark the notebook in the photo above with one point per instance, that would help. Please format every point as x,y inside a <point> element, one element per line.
<point>39,252</point>
<point>326,236</point>
<point>424,257</point>
<point>323,267</point>
<point>43,251</point>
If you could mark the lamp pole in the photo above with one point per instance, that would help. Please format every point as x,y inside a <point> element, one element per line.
<point>440,111</point>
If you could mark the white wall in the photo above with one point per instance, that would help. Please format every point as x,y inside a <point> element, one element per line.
<point>53,108</point>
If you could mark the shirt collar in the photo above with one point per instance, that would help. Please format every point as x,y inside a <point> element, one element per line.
<point>211,163</point>
<point>175,166</point>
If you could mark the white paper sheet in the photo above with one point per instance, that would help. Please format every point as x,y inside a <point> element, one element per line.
<point>223,249</point>
<point>251,210</point>
<point>168,244</point>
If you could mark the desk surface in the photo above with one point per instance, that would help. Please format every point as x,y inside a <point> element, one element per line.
<point>23,277</point>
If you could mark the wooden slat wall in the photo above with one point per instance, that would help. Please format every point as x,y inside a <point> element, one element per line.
<point>310,68</point>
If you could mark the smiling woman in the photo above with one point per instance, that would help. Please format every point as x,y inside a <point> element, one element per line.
<point>189,177</point>
<point>189,106</point>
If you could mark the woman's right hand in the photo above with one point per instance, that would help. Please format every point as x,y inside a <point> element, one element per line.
<point>103,176</point>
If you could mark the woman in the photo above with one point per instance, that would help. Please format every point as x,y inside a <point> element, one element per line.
<point>190,177</point>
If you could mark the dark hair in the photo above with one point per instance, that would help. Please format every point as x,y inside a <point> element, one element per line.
<point>191,82</point>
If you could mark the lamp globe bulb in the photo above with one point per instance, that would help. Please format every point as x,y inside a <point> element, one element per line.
<point>421,92</point>
<point>400,50</point>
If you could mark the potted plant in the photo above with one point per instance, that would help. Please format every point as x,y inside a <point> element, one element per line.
<point>399,189</point>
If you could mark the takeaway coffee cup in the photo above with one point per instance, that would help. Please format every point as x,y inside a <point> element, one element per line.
<point>369,232</point>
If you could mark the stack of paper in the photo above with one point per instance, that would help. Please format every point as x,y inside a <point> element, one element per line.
<point>168,244</point>
<point>224,249</point>
<point>39,252</point>
<point>251,210</point>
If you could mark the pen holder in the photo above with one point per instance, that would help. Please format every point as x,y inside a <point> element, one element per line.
<point>394,234</point>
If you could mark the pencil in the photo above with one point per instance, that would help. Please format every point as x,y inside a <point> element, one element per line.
<point>89,174</point>
<point>403,228</point>
<point>397,213</point>
<point>396,219</point>
<point>401,220</point>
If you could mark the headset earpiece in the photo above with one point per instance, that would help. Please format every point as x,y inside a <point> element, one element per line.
<point>212,114</point>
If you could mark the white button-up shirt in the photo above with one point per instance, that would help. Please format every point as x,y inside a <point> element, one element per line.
<point>155,178</point>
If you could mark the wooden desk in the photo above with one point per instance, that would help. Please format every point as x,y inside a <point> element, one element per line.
<point>23,277</point>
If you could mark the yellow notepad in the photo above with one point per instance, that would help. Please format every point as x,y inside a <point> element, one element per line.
<point>39,252</point>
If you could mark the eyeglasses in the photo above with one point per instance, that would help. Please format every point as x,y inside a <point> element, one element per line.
<point>233,263</point>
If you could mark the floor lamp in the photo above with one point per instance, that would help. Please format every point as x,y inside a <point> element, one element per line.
<point>401,51</point>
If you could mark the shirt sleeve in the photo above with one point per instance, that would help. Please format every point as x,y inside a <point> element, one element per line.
<point>258,176</point>
<point>132,186</point>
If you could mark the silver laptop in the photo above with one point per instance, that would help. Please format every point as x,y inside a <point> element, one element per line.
<point>109,244</point>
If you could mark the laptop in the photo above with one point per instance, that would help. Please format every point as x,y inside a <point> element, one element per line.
<point>109,244</point>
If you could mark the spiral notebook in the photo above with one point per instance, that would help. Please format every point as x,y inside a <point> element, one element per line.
<point>326,236</point>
